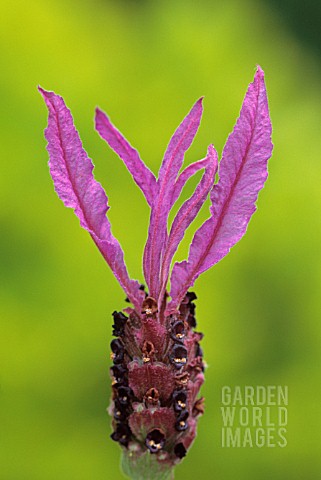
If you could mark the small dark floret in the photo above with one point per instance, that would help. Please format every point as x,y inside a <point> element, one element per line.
<point>120,411</point>
<point>118,351</point>
<point>119,372</point>
<point>181,423</point>
<point>179,400</point>
<point>122,434</point>
<point>178,331</point>
<point>155,440</point>
<point>125,395</point>
<point>191,296</point>
<point>119,323</point>
<point>180,450</point>
<point>178,356</point>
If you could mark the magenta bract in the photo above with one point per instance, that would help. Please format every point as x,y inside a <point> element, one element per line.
<point>158,366</point>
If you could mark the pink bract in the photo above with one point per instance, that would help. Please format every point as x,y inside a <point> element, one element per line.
<point>242,173</point>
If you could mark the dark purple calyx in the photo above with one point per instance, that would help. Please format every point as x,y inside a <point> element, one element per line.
<point>179,400</point>
<point>118,351</point>
<point>119,374</point>
<point>124,395</point>
<point>191,296</point>
<point>180,450</point>
<point>155,440</point>
<point>181,422</point>
<point>121,411</point>
<point>178,331</point>
<point>122,434</point>
<point>178,356</point>
<point>119,324</point>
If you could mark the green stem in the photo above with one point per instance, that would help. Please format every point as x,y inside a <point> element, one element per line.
<point>145,467</point>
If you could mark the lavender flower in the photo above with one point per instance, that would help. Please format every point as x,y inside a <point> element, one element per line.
<point>158,365</point>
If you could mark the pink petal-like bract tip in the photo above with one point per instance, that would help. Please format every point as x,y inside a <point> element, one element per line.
<point>144,178</point>
<point>172,162</point>
<point>242,173</point>
<point>71,171</point>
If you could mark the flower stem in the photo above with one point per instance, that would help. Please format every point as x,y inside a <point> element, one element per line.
<point>145,467</point>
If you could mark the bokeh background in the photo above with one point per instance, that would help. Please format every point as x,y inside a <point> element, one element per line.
<point>145,63</point>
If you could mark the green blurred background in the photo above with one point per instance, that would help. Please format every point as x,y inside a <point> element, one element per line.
<point>145,63</point>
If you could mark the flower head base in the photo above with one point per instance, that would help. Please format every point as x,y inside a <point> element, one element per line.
<point>158,366</point>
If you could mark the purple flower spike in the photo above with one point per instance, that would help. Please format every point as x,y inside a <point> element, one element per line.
<point>158,366</point>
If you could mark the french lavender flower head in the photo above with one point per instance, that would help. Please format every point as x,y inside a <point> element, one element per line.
<point>157,361</point>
